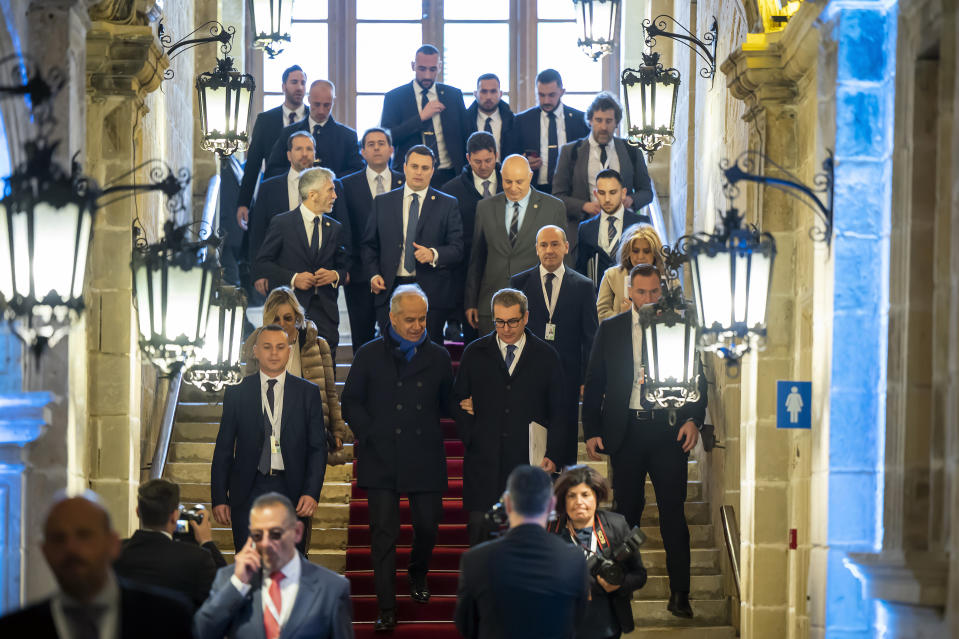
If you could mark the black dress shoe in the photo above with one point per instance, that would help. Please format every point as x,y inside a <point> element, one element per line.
<point>419,591</point>
<point>386,621</point>
<point>679,605</point>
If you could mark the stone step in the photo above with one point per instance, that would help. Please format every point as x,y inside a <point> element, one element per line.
<point>701,587</point>
<point>700,536</point>
<point>334,560</point>
<point>342,370</point>
<point>201,432</point>
<point>191,452</point>
<point>703,561</point>
<point>191,394</point>
<point>697,512</point>
<point>707,612</point>
<point>688,632</point>
<point>198,412</point>
<point>322,538</point>
<point>344,353</point>
<point>199,472</point>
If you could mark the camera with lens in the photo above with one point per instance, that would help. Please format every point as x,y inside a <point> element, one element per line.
<point>496,516</point>
<point>183,532</point>
<point>610,563</point>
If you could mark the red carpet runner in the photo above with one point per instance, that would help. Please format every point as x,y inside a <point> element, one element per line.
<point>433,620</point>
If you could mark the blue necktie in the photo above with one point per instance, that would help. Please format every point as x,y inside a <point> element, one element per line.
<point>409,262</point>
<point>264,466</point>
<point>510,355</point>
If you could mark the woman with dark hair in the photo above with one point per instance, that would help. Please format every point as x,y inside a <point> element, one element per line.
<point>579,490</point>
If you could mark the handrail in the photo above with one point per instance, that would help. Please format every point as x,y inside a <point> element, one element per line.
<point>731,534</point>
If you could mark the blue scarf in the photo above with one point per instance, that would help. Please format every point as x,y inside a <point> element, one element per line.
<point>407,347</point>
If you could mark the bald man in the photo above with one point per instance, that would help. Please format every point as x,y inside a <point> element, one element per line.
<point>504,238</point>
<point>80,545</point>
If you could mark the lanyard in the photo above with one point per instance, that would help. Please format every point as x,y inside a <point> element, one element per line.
<point>550,303</point>
<point>598,536</point>
<point>271,416</point>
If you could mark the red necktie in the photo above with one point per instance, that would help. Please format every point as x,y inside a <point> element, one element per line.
<point>271,625</point>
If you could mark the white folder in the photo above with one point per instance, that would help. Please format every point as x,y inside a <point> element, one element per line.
<point>537,443</point>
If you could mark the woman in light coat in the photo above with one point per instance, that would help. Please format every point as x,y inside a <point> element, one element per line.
<point>640,245</point>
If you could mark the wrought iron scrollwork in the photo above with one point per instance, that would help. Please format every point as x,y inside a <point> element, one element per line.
<point>705,48</point>
<point>218,33</point>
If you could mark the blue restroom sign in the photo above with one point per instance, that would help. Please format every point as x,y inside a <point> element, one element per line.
<point>793,404</point>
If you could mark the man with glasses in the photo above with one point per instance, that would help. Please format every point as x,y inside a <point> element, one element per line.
<point>507,380</point>
<point>270,588</point>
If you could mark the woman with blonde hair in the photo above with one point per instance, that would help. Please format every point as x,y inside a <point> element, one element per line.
<point>640,245</point>
<point>311,361</point>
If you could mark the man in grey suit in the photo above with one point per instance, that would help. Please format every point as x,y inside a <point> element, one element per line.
<point>504,238</point>
<point>271,587</point>
<point>580,161</point>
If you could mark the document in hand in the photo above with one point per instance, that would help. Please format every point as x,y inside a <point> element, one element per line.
<point>537,443</point>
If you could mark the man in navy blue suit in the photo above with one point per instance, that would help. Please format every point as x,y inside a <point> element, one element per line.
<point>305,249</point>
<point>414,235</point>
<point>359,189</point>
<point>540,131</point>
<point>428,113</point>
<point>562,311</point>
<point>490,113</point>
<point>335,143</point>
<point>600,235</point>
<point>271,439</point>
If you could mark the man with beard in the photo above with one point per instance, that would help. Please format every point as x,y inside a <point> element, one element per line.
<point>490,113</point>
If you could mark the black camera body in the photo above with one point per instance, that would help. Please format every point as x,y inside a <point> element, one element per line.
<point>183,532</point>
<point>496,516</point>
<point>609,562</point>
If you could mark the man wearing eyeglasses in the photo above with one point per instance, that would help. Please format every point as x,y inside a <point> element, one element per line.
<point>270,589</point>
<point>507,381</point>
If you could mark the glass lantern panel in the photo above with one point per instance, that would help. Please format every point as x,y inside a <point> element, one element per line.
<point>663,118</point>
<point>235,334</point>
<point>262,19</point>
<point>143,301</point>
<point>604,13</point>
<point>216,110</point>
<point>21,256</point>
<point>635,97</point>
<point>6,276</point>
<point>652,368</point>
<point>53,256</point>
<point>83,247</point>
<point>211,349</point>
<point>185,304</point>
<point>671,351</point>
<point>715,296</point>
<point>759,276</point>
<point>156,302</point>
<point>740,286</point>
<point>243,96</point>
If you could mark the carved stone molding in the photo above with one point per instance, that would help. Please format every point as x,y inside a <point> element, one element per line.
<point>755,74</point>
<point>130,12</point>
<point>123,61</point>
<point>911,578</point>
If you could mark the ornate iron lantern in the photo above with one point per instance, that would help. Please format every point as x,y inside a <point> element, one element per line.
<point>217,362</point>
<point>225,99</point>
<point>650,94</point>
<point>271,21</point>
<point>597,21</point>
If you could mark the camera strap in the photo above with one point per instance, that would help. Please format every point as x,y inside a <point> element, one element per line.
<point>598,538</point>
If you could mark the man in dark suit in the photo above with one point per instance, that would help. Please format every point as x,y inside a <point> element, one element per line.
<point>528,583</point>
<point>504,238</point>
<point>580,162</point>
<point>562,311</point>
<point>359,189</point>
<point>540,131</point>
<point>335,143</point>
<point>428,113</point>
<point>79,544</point>
<point>153,557</point>
<point>599,236</point>
<point>397,390</point>
<point>270,588</point>
<point>479,180</point>
<point>414,235</point>
<point>506,380</point>
<point>305,249</point>
<point>490,113</point>
<point>266,131</point>
<point>271,439</point>
<point>620,422</point>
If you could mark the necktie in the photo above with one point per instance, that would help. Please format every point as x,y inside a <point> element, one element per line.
<point>429,134</point>
<point>552,141</point>
<point>380,190</point>
<point>610,233</point>
<point>602,156</point>
<point>270,397</point>
<point>549,287</point>
<point>317,134</point>
<point>315,238</point>
<point>510,355</point>
<point>488,127</point>
<point>486,192</point>
<point>264,464</point>
<point>293,117</point>
<point>84,621</point>
<point>409,263</point>
<point>514,224</point>
<point>270,624</point>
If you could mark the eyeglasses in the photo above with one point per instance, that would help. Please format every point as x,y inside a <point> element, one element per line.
<point>512,323</point>
<point>275,534</point>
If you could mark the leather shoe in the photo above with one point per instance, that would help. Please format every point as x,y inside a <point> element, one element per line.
<point>386,621</point>
<point>679,605</point>
<point>419,591</point>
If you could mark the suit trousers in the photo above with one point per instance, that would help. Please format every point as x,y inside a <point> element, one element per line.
<point>426,512</point>
<point>650,447</point>
<point>240,513</point>
<point>478,529</point>
<point>327,322</point>
<point>485,325</point>
<point>359,304</point>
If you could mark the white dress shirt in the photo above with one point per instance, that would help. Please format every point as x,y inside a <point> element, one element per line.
<point>407,200</point>
<point>542,176</point>
<point>371,176</point>
<point>593,164</point>
<point>603,238</point>
<point>293,190</point>
<point>276,459</point>
<point>557,282</point>
<point>299,114</point>
<point>289,587</point>
<point>522,211</point>
<point>478,183</point>
<point>635,395</point>
<point>308,217</point>
<point>443,162</point>
<point>496,123</point>
<point>516,354</point>
<point>108,598</point>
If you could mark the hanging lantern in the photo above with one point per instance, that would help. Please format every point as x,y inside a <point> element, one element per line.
<point>225,100</point>
<point>649,95</point>
<point>173,283</point>
<point>669,352</point>
<point>271,21</point>
<point>46,224</point>
<point>218,360</point>
<point>597,21</point>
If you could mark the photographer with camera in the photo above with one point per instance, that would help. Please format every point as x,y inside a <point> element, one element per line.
<point>154,557</point>
<point>527,583</point>
<point>612,551</point>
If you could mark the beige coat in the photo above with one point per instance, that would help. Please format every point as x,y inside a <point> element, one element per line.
<point>317,365</point>
<point>612,292</point>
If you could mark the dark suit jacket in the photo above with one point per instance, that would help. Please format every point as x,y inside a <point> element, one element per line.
<point>588,246</point>
<point>321,610</point>
<point>240,441</point>
<point>271,199</point>
<point>525,135</point>
<point>609,382</point>
<point>266,130</point>
<point>439,227</point>
<point>527,584</point>
<point>394,409</point>
<point>338,150</point>
<point>497,435</point>
<point>145,613</point>
<point>401,116</point>
<point>286,251</point>
<point>506,131</point>
<point>357,202</point>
